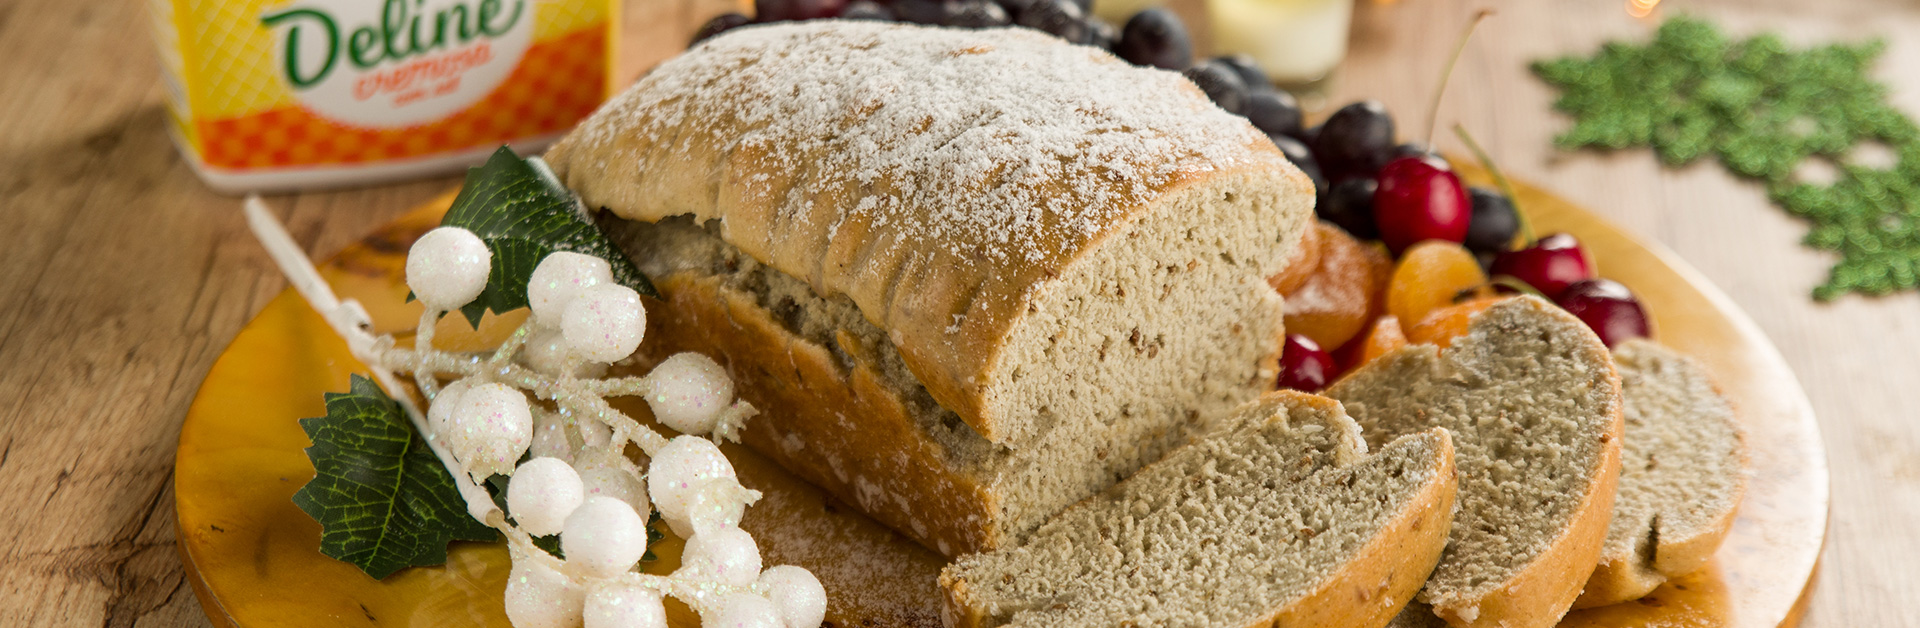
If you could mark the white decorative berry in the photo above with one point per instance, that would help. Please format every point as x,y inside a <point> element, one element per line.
<point>728,555</point>
<point>546,352</point>
<point>440,413</point>
<point>492,426</point>
<point>688,391</point>
<point>716,504</point>
<point>448,267</point>
<point>798,595</point>
<point>742,610</point>
<point>676,472</point>
<point>604,323</point>
<point>603,537</point>
<point>625,605</point>
<point>541,494</point>
<point>593,433</point>
<point>559,278</point>
<point>553,435</point>
<point>608,473</point>
<point>540,597</point>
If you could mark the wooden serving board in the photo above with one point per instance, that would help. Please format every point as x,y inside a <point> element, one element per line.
<point>253,560</point>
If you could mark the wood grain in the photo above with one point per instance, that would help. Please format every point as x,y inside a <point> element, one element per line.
<point>125,277</point>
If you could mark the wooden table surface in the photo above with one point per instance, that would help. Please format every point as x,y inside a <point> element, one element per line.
<point>125,276</point>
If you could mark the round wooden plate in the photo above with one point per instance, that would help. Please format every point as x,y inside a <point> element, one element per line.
<point>253,560</point>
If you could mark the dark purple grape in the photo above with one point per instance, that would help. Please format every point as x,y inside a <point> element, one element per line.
<point>1494,221</point>
<point>1356,140</point>
<point>1309,135</point>
<point>920,11</point>
<point>1014,7</point>
<point>1350,205</point>
<point>866,10</point>
<point>1486,260</point>
<point>788,10</point>
<point>975,14</point>
<point>1061,18</point>
<point>1155,37</point>
<point>1250,72</point>
<point>1222,85</point>
<point>1274,112</point>
<point>719,24</point>
<point>1302,158</point>
<point>1102,34</point>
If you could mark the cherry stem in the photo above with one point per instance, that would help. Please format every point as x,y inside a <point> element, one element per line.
<point>1517,285</point>
<point>1433,108</point>
<point>1506,187</point>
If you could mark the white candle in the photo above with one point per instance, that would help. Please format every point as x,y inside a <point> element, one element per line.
<point>1295,41</point>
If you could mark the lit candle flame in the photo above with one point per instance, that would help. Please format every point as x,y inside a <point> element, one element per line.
<point>1641,8</point>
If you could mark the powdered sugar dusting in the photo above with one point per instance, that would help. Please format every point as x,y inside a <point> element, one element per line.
<point>1002,144</point>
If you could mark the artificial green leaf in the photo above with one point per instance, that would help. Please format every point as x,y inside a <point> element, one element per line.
<point>1764,111</point>
<point>383,500</point>
<point>654,535</point>
<point>523,214</point>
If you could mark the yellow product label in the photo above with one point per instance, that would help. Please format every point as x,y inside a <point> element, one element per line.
<point>268,84</point>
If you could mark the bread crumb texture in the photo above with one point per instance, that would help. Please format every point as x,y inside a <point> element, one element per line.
<point>1533,403</point>
<point>1682,474</point>
<point>1223,532</point>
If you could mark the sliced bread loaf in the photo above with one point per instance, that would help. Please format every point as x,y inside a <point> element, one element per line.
<point>1279,518</point>
<point>986,273</point>
<point>1533,403</point>
<point>1681,479</point>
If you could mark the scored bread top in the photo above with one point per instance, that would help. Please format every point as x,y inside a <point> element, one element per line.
<point>939,178</point>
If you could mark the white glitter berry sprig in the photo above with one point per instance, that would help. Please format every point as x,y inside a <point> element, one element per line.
<point>575,482</point>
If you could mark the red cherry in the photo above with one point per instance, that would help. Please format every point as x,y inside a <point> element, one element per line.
<point>1304,365</point>
<point>1420,198</point>
<point>1606,306</point>
<point>1550,265</point>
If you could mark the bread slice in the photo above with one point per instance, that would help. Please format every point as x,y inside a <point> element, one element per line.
<point>1281,518</point>
<point>1681,479</point>
<point>1534,405</point>
<point>988,273</point>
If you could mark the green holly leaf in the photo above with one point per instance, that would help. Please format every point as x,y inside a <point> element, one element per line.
<point>1764,110</point>
<point>523,214</point>
<point>383,500</point>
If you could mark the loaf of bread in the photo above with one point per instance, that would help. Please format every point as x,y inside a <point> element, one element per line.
<point>1281,518</point>
<point>971,276</point>
<point>1534,405</point>
<point>1681,479</point>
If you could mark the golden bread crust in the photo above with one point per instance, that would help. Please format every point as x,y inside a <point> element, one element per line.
<point>856,438</point>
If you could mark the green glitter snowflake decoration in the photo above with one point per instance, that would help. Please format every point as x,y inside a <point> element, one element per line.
<point>1764,110</point>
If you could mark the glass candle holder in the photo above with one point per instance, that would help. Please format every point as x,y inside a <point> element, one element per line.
<point>1297,42</point>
